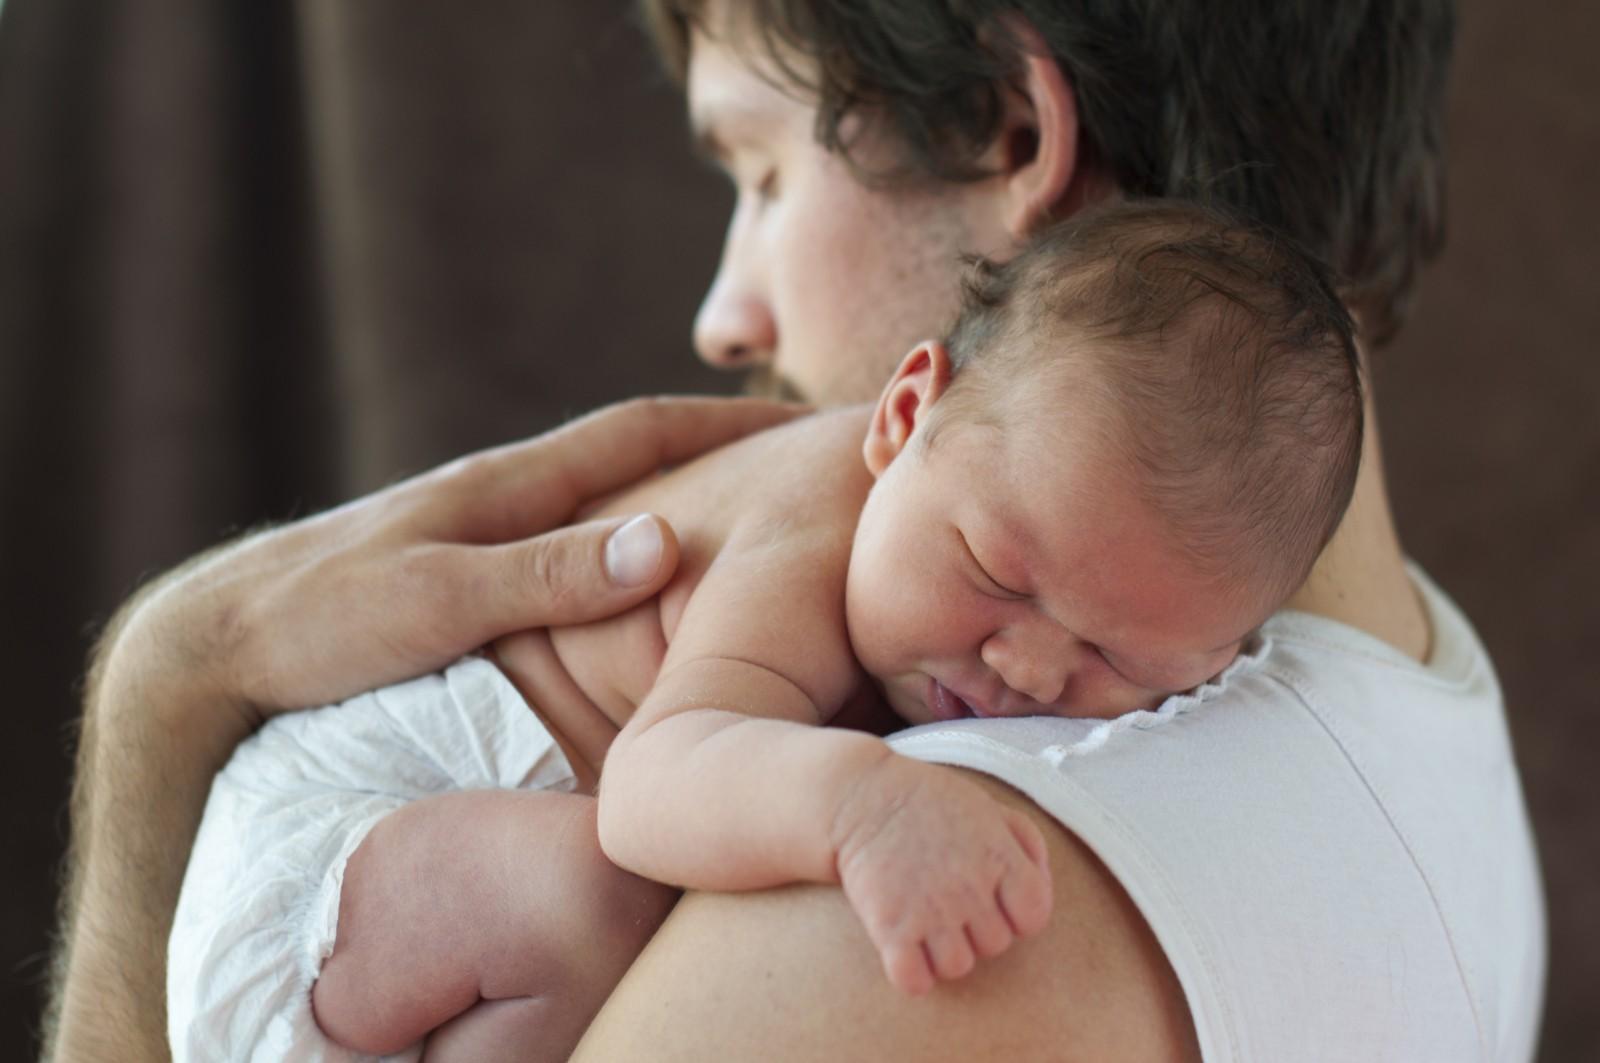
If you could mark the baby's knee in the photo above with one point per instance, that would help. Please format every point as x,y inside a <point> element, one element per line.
<point>611,909</point>
<point>494,895</point>
<point>566,920</point>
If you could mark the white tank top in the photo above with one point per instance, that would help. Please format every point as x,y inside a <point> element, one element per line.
<point>1329,841</point>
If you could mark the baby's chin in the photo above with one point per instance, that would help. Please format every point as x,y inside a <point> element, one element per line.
<point>898,694</point>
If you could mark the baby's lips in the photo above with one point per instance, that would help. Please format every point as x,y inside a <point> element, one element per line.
<point>945,704</point>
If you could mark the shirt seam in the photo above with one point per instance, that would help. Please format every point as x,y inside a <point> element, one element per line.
<point>1302,691</point>
<point>1029,766</point>
<point>1471,674</point>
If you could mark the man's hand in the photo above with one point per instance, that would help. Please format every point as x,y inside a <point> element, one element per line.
<point>390,586</point>
<point>405,580</point>
<point>940,873</point>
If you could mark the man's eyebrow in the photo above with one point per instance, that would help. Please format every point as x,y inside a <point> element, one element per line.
<point>720,123</point>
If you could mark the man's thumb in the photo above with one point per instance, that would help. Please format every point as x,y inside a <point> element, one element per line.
<point>634,552</point>
<point>573,575</point>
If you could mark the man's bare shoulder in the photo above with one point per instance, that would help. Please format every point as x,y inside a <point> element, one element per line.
<point>789,975</point>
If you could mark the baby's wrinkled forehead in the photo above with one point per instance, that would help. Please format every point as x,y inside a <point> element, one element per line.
<point>1057,407</point>
<point>1065,484</point>
<point>1209,364</point>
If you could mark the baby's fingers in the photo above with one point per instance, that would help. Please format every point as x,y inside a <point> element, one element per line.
<point>1024,890</point>
<point>950,954</point>
<point>907,966</point>
<point>990,934</point>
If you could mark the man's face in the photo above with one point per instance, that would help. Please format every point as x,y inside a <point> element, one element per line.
<point>824,282</point>
<point>1004,572</point>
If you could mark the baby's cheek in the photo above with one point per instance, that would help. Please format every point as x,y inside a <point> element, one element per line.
<point>1109,694</point>
<point>906,701</point>
<point>866,622</point>
<point>1146,700</point>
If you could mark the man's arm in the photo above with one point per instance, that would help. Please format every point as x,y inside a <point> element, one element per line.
<point>135,808</point>
<point>789,975</point>
<point>387,587</point>
<point>940,874</point>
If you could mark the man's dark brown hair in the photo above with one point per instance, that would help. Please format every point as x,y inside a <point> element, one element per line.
<point>1321,118</point>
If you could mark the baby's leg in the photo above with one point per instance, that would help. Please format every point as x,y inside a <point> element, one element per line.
<point>491,915</point>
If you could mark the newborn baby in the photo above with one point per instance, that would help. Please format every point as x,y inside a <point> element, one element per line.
<point>1123,458</point>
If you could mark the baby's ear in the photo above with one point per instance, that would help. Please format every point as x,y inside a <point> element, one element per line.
<point>922,378</point>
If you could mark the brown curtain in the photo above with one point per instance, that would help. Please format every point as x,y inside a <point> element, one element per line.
<point>259,257</point>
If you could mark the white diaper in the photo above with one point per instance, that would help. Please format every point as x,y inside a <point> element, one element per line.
<point>260,900</point>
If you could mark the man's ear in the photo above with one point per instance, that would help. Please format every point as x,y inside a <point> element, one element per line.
<point>922,378</point>
<point>1036,152</point>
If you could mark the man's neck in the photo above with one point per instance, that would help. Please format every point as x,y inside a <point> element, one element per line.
<point>1361,579</point>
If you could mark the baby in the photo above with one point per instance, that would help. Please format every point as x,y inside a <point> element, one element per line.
<point>1124,457</point>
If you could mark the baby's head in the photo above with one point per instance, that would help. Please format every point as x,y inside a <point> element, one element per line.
<point>1126,455</point>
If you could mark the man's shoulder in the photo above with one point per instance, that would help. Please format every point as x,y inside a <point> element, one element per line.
<point>789,975</point>
<point>1252,821</point>
<point>1096,918</point>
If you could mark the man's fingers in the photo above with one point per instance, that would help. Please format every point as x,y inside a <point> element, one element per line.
<point>634,550</point>
<point>524,488</point>
<point>573,575</point>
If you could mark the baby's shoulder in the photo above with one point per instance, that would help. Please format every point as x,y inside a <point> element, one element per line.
<point>785,497</point>
<point>819,455</point>
<point>806,477</point>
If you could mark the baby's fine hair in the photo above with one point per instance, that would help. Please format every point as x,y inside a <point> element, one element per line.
<point>1220,355</point>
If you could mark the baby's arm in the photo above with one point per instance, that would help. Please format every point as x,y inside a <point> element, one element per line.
<point>723,781</point>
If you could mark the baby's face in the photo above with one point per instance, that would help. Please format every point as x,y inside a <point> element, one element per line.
<point>1005,572</point>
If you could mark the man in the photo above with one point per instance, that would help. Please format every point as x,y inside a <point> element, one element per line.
<point>1315,882</point>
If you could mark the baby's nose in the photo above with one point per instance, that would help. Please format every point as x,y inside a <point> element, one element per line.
<point>1042,685</point>
<point>1036,669</point>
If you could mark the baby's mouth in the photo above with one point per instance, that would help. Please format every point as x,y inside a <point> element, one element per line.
<point>944,703</point>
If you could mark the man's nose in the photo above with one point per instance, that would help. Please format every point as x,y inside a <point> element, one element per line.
<point>734,328</point>
<point>1034,659</point>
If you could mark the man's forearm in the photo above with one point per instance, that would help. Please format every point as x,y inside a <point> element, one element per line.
<point>380,589</point>
<point>154,732</point>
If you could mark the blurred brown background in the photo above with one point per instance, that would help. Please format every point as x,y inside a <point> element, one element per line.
<point>256,258</point>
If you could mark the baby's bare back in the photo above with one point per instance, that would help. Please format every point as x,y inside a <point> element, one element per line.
<point>586,680</point>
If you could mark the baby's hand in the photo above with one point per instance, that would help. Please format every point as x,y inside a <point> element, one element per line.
<point>939,871</point>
